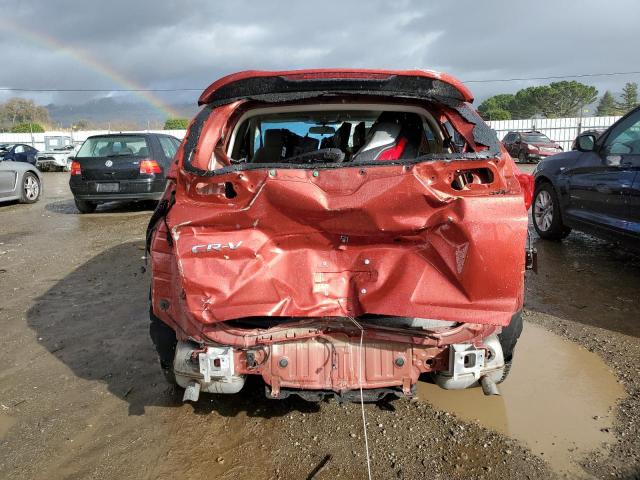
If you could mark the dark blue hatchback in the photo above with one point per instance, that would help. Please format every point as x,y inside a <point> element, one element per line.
<point>595,189</point>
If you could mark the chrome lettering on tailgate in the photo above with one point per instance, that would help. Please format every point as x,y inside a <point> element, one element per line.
<point>215,246</point>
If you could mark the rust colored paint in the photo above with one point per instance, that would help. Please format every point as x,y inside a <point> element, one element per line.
<point>322,245</point>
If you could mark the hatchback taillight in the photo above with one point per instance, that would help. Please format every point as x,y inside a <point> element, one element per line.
<point>149,166</point>
<point>75,168</point>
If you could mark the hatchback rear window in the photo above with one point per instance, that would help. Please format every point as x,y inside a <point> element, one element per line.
<point>333,135</point>
<point>112,146</point>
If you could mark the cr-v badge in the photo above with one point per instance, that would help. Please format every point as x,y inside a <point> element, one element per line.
<point>215,246</point>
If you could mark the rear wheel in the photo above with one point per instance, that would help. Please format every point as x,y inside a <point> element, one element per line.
<point>30,191</point>
<point>508,339</point>
<point>85,206</point>
<point>164,339</point>
<point>547,218</point>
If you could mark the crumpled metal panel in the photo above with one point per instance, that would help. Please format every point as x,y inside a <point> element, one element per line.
<point>392,240</point>
<point>334,364</point>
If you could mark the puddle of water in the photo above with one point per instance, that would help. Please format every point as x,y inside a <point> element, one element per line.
<point>558,400</point>
<point>6,422</point>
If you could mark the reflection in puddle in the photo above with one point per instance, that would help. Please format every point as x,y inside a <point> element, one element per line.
<point>558,399</point>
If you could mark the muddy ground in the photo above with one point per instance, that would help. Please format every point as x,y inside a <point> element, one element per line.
<point>81,395</point>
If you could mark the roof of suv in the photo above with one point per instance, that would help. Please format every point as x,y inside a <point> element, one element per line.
<point>257,82</point>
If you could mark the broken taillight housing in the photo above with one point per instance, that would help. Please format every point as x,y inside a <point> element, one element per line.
<point>149,166</point>
<point>75,168</point>
<point>527,183</point>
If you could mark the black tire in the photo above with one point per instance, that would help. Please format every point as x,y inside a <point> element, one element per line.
<point>85,206</point>
<point>30,189</point>
<point>164,339</point>
<point>522,157</point>
<point>508,339</point>
<point>547,216</point>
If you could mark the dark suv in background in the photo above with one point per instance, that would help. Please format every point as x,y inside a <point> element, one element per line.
<point>595,188</point>
<point>124,166</point>
<point>531,146</point>
<point>18,152</point>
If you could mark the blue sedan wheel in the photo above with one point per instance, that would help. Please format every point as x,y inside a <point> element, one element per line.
<point>547,217</point>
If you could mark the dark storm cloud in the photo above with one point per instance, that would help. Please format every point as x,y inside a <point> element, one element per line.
<point>171,44</point>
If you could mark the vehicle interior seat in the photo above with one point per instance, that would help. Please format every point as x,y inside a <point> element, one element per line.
<point>340,139</point>
<point>104,151</point>
<point>359,136</point>
<point>304,144</point>
<point>143,152</point>
<point>394,136</point>
<point>274,148</point>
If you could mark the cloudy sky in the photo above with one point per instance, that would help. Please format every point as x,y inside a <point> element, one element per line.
<point>118,44</point>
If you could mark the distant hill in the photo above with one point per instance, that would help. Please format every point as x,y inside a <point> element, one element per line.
<point>100,113</point>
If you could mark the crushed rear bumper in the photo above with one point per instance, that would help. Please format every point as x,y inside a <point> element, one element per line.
<point>338,362</point>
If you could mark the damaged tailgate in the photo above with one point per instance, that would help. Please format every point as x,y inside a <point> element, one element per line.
<point>390,240</point>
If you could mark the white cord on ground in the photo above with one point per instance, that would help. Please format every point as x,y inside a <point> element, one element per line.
<point>364,419</point>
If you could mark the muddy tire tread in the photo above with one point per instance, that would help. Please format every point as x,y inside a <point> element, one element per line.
<point>164,339</point>
<point>508,340</point>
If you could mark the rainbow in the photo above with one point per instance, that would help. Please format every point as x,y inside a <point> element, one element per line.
<point>51,43</point>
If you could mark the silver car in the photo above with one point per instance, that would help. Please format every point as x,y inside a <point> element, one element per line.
<point>19,181</point>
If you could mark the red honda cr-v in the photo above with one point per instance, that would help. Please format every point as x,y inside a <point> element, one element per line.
<point>331,230</point>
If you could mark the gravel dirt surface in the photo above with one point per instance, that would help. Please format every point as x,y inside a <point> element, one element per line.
<point>82,396</point>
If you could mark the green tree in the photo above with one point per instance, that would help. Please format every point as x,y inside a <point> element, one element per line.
<point>629,97</point>
<point>558,99</point>
<point>497,114</point>
<point>176,124</point>
<point>607,105</point>
<point>524,103</point>
<point>563,99</point>
<point>27,128</point>
<point>18,110</point>
<point>497,106</point>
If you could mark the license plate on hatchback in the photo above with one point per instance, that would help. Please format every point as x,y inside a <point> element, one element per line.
<point>107,187</point>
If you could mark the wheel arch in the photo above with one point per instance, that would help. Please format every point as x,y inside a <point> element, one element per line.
<point>540,179</point>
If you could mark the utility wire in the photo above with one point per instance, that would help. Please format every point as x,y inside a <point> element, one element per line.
<point>364,418</point>
<point>555,77</point>
<point>160,90</point>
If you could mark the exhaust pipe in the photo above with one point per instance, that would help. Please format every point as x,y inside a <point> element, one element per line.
<point>489,387</point>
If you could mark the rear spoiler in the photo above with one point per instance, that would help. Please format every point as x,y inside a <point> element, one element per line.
<point>274,86</point>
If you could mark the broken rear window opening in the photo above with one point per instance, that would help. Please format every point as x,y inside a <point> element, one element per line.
<point>332,135</point>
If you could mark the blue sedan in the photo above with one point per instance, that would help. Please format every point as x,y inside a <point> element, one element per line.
<point>18,152</point>
<point>595,189</point>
